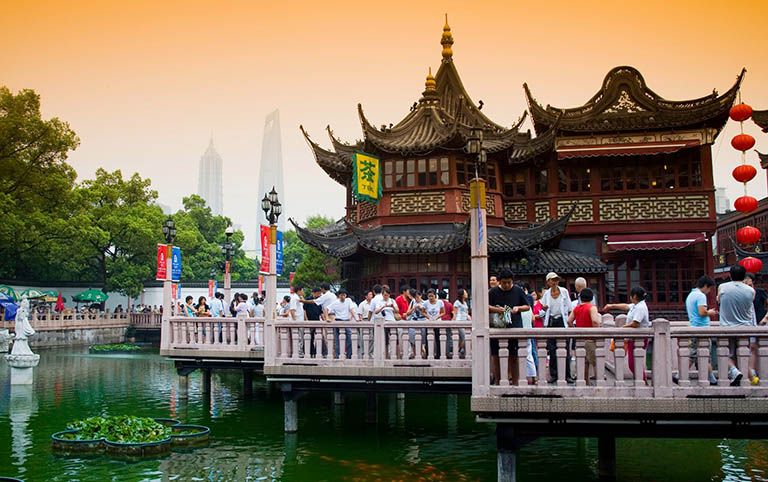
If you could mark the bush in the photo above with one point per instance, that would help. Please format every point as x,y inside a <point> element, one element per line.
<point>121,428</point>
<point>117,347</point>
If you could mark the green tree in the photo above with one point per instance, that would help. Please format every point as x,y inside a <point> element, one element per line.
<point>123,225</point>
<point>36,203</point>
<point>316,267</point>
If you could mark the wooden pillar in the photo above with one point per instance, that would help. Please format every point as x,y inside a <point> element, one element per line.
<point>371,407</point>
<point>247,383</point>
<point>606,457</point>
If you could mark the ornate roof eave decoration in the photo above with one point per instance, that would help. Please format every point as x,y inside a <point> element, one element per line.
<point>378,240</point>
<point>337,166</point>
<point>763,159</point>
<point>516,239</point>
<point>333,240</point>
<point>626,103</point>
<point>527,150</point>
<point>760,117</point>
<point>343,149</point>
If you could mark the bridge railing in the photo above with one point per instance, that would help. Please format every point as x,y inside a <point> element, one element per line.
<point>670,347</point>
<point>69,321</point>
<point>146,320</point>
<point>370,343</point>
<point>208,333</point>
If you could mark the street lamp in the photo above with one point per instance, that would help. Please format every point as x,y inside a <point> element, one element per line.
<point>227,249</point>
<point>169,231</point>
<point>272,210</point>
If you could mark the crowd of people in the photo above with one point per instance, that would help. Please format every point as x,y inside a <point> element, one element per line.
<point>513,305</point>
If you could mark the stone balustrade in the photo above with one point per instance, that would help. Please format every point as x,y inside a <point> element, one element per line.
<point>66,321</point>
<point>215,334</point>
<point>146,320</point>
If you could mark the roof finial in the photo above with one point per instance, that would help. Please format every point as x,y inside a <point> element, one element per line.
<point>447,41</point>
<point>430,84</point>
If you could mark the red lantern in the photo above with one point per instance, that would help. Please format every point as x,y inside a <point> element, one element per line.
<point>745,204</point>
<point>752,265</point>
<point>743,142</point>
<point>748,235</point>
<point>744,173</point>
<point>740,112</point>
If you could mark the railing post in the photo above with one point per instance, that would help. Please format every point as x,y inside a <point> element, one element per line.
<point>479,262</point>
<point>379,344</point>
<point>662,356</point>
<point>165,323</point>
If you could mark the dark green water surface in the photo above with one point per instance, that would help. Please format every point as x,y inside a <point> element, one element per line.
<point>421,438</point>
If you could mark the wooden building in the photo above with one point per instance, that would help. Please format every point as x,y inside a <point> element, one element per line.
<point>619,190</point>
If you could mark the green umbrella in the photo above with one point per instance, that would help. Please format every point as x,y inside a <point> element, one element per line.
<point>9,291</point>
<point>91,296</point>
<point>31,294</point>
<point>53,296</point>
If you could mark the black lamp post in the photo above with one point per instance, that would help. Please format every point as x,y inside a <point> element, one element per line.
<point>271,207</point>
<point>227,249</point>
<point>272,210</point>
<point>169,231</point>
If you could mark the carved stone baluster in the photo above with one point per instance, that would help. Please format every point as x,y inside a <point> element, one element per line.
<point>503,360</point>
<point>618,357</point>
<point>702,359</point>
<point>561,361</point>
<point>522,359</point>
<point>581,358</point>
<point>684,351</point>
<point>542,373</point>
<point>419,342</point>
<point>722,362</point>
<point>283,342</point>
<point>307,342</point>
<point>639,355</point>
<point>455,342</point>
<point>742,356</point>
<point>393,343</point>
<point>431,344</point>
<point>355,346</point>
<point>762,361</point>
<point>600,362</point>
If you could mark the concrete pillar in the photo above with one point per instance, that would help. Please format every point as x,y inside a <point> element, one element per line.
<point>338,398</point>
<point>506,465</point>
<point>291,416</point>
<point>184,386</point>
<point>401,396</point>
<point>206,373</point>
<point>371,408</point>
<point>606,457</point>
<point>247,383</point>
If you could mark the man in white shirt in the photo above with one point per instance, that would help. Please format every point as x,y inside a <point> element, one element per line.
<point>296,313</point>
<point>365,312</point>
<point>343,309</point>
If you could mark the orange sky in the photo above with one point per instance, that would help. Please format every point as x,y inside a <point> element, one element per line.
<point>144,83</point>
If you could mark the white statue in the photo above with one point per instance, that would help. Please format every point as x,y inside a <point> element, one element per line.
<point>23,330</point>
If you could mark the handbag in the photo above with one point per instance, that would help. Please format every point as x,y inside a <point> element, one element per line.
<point>500,320</point>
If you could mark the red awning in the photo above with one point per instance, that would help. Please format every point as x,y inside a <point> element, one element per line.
<point>568,152</point>
<point>633,242</point>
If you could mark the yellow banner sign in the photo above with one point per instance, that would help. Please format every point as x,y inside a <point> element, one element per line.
<point>366,182</point>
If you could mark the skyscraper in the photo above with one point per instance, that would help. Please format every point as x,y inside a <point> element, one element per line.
<point>271,169</point>
<point>209,180</point>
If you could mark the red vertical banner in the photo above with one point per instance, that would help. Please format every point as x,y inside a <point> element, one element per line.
<point>226,273</point>
<point>290,280</point>
<point>264,249</point>
<point>162,262</point>
<point>261,284</point>
<point>210,288</point>
<point>174,291</point>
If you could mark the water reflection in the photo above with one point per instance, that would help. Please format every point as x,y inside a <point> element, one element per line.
<point>22,406</point>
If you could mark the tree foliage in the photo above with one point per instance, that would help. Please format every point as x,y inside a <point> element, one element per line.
<point>103,229</point>
<point>316,267</point>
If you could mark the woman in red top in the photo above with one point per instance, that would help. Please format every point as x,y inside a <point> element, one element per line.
<point>585,315</point>
<point>538,317</point>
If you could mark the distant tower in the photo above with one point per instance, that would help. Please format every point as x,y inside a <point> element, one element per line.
<point>271,170</point>
<point>722,204</point>
<point>209,180</point>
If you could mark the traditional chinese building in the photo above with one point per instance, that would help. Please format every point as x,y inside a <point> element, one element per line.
<point>619,190</point>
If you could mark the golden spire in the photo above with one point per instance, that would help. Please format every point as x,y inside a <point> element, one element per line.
<point>430,84</point>
<point>447,40</point>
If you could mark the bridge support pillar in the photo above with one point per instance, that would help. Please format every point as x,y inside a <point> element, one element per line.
<point>371,407</point>
<point>247,383</point>
<point>401,396</point>
<point>507,465</point>
<point>290,398</point>
<point>206,381</point>
<point>338,398</point>
<point>507,444</point>
<point>184,386</point>
<point>606,457</point>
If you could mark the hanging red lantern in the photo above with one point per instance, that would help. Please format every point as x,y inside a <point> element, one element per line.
<point>748,235</point>
<point>743,142</point>
<point>752,265</point>
<point>740,112</point>
<point>744,173</point>
<point>745,204</point>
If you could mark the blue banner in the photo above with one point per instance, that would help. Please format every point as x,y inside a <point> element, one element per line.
<point>279,253</point>
<point>176,264</point>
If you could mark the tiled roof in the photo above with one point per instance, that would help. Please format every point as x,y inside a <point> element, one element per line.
<point>338,163</point>
<point>542,262</point>
<point>760,117</point>
<point>626,103</point>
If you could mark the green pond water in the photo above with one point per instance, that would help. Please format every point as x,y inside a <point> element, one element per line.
<point>424,437</point>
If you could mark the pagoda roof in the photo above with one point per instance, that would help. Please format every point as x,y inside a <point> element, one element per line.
<point>342,239</point>
<point>760,117</point>
<point>337,163</point>
<point>540,262</point>
<point>625,103</point>
<point>763,159</point>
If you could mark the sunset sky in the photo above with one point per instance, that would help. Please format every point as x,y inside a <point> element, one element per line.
<point>145,83</point>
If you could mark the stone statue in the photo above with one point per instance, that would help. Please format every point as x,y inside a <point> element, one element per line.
<point>23,330</point>
<point>21,359</point>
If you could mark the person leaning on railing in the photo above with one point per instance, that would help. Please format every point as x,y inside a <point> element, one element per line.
<point>698,316</point>
<point>500,298</point>
<point>736,309</point>
<point>189,308</point>
<point>585,315</point>
<point>637,317</point>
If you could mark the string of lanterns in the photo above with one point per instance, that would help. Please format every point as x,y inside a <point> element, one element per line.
<point>748,235</point>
